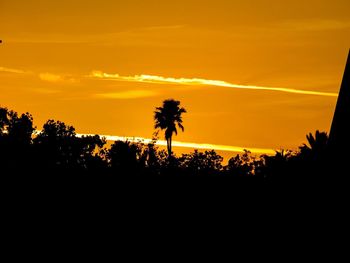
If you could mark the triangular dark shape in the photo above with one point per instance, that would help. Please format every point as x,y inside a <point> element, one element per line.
<point>339,138</point>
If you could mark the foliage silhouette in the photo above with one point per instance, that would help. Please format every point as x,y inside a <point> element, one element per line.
<point>317,147</point>
<point>168,118</point>
<point>126,157</point>
<point>58,147</point>
<point>201,163</point>
<point>15,139</point>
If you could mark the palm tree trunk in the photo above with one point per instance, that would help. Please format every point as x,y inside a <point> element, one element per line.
<point>171,141</point>
<point>168,140</point>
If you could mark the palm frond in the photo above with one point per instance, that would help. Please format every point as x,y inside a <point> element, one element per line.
<point>181,126</point>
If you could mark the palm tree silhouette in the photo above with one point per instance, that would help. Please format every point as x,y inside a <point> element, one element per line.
<point>317,144</point>
<point>168,118</point>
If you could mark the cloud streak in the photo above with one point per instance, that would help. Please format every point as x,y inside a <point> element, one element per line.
<point>50,77</point>
<point>54,78</point>
<point>202,82</point>
<point>201,146</point>
<point>12,70</point>
<point>44,76</point>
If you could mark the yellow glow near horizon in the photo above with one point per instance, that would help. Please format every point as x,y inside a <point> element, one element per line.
<point>191,145</point>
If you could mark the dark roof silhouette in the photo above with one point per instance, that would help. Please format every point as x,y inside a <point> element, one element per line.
<point>339,138</point>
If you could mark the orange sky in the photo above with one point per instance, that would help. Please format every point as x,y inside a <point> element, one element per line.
<point>81,62</point>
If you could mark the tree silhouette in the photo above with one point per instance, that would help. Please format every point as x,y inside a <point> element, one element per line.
<point>15,139</point>
<point>279,167</point>
<point>317,146</point>
<point>4,120</point>
<point>59,148</point>
<point>125,157</point>
<point>16,128</point>
<point>168,118</point>
<point>201,163</point>
<point>242,164</point>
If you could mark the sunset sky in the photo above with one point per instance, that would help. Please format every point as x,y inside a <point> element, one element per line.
<point>251,74</point>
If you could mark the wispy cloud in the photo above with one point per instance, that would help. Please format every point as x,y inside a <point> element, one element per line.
<point>49,77</point>
<point>130,94</point>
<point>201,146</point>
<point>12,70</point>
<point>45,76</point>
<point>202,82</point>
<point>54,78</point>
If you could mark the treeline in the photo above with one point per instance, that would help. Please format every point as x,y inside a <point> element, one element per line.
<point>57,150</point>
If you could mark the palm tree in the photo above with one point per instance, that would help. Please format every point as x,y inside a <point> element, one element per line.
<point>317,145</point>
<point>168,118</point>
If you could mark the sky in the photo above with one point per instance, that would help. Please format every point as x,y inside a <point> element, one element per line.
<point>252,74</point>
